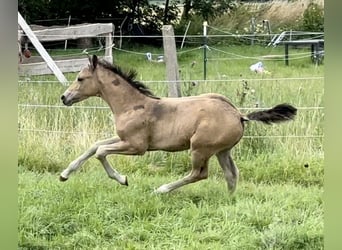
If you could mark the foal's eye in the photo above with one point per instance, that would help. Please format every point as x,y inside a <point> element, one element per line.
<point>80,79</point>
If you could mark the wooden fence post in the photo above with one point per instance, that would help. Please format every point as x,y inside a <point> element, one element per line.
<point>33,38</point>
<point>253,30</point>
<point>205,46</point>
<point>170,57</point>
<point>109,48</point>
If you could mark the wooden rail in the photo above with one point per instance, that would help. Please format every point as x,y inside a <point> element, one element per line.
<point>61,34</point>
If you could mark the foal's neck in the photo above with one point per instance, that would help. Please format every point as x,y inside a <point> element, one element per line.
<point>120,95</point>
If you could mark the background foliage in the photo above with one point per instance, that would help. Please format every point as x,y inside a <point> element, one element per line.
<point>143,17</point>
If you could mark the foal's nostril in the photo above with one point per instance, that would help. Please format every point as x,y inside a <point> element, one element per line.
<point>62,97</point>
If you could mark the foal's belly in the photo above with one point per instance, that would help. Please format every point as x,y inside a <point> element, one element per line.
<point>169,140</point>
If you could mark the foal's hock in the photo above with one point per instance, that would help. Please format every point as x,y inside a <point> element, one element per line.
<point>207,124</point>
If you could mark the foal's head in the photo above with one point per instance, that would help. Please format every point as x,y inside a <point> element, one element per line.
<point>84,86</point>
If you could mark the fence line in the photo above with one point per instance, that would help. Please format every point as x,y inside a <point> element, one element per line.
<point>179,52</point>
<point>141,53</point>
<point>60,106</point>
<point>226,34</point>
<point>294,56</point>
<point>96,49</point>
<point>297,33</point>
<point>108,134</point>
<point>258,58</point>
<point>201,80</point>
<point>175,36</point>
<point>104,107</point>
<point>59,131</point>
<point>282,136</point>
<point>252,36</point>
<point>237,57</point>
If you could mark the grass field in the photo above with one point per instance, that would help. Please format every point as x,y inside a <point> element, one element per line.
<point>278,204</point>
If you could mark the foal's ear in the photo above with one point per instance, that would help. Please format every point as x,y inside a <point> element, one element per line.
<point>94,61</point>
<point>89,58</point>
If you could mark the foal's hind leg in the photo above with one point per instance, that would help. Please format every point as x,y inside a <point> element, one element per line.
<point>199,172</point>
<point>231,172</point>
<point>74,165</point>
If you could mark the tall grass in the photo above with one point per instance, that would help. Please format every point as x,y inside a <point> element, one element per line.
<point>278,203</point>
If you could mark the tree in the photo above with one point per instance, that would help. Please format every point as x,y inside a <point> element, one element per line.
<point>137,12</point>
<point>33,10</point>
<point>313,18</point>
<point>206,8</point>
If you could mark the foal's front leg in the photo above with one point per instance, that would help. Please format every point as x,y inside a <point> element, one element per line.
<point>74,165</point>
<point>118,147</point>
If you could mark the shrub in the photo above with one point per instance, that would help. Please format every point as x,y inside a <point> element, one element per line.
<point>313,18</point>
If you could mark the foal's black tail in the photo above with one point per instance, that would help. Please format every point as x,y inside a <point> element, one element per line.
<point>280,113</point>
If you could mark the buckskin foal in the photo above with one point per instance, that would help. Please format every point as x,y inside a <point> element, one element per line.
<point>207,124</point>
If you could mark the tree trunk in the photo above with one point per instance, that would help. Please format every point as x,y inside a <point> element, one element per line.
<point>166,10</point>
<point>187,8</point>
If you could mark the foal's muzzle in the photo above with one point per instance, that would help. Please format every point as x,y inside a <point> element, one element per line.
<point>66,101</point>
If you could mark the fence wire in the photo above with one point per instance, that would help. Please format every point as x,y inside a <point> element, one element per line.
<point>232,56</point>
<point>45,131</point>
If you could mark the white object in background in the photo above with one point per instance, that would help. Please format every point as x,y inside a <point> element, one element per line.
<point>257,67</point>
<point>149,56</point>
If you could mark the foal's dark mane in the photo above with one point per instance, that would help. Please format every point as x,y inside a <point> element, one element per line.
<point>129,77</point>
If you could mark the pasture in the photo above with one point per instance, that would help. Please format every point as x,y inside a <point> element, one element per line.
<point>278,202</point>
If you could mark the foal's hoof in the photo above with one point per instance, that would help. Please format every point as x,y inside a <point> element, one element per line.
<point>125,182</point>
<point>162,189</point>
<point>61,178</point>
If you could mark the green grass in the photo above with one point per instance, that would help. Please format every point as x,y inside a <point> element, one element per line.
<point>91,211</point>
<point>278,204</point>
